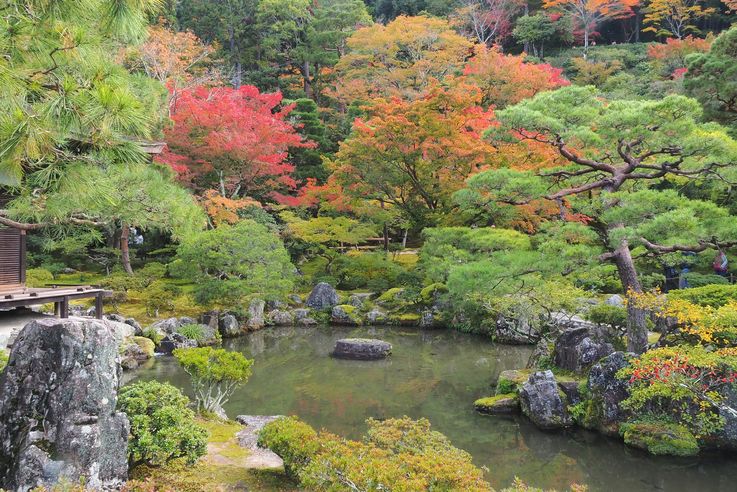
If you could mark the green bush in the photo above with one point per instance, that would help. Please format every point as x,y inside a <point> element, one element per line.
<point>604,314</point>
<point>163,428</point>
<point>38,277</point>
<point>700,279</point>
<point>713,295</point>
<point>3,359</point>
<point>395,454</point>
<point>294,441</point>
<point>152,335</point>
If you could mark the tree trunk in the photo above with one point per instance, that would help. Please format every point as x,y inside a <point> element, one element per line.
<point>306,78</point>
<point>125,256</point>
<point>404,238</point>
<point>636,317</point>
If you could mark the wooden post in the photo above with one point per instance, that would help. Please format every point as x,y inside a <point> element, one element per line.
<point>98,305</point>
<point>57,309</point>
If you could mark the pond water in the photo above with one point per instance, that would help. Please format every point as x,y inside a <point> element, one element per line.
<point>438,375</point>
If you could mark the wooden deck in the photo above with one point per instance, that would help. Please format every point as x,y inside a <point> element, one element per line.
<point>60,296</point>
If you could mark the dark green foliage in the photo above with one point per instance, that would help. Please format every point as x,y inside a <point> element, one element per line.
<point>308,162</point>
<point>712,79</point>
<point>159,296</point>
<point>375,271</point>
<point>709,295</point>
<point>231,262</point>
<point>696,279</point>
<point>163,428</point>
<point>193,332</point>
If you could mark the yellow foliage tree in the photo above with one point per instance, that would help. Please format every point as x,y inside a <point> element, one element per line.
<point>674,17</point>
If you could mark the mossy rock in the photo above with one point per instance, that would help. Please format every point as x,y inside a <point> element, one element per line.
<point>509,381</point>
<point>660,438</point>
<point>345,314</point>
<point>146,344</point>
<point>429,293</point>
<point>506,404</point>
<point>405,319</point>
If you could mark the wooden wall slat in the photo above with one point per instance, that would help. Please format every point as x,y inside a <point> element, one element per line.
<point>11,254</point>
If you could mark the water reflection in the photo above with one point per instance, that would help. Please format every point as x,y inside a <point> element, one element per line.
<point>438,374</point>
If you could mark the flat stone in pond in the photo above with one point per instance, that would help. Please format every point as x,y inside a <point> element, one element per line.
<point>361,349</point>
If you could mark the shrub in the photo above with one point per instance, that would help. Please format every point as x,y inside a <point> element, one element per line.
<point>713,295</point>
<point>3,359</point>
<point>699,279</point>
<point>681,384</point>
<point>604,314</point>
<point>215,373</point>
<point>231,262</point>
<point>38,277</point>
<point>152,335</point>
<point>294,441</point>
<point>395,454</point>
<point>163,428</point>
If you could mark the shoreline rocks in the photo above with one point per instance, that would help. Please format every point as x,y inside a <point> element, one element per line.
<point>323,296</point>
<point>361,349</point>
<point>543,403</point>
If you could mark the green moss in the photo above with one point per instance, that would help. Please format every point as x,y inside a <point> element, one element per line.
<point>405,319</point>
<point>490,404</point>
<point>660,438</point>
<point>146,344</point>
<point>3,359</point>
<point>428,293</point>
<point>509,381</point>
<point>391,296</point>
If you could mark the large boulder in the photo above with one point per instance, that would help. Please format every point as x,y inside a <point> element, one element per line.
<point>173,341</point>
<point>128,321</point>
<point>576,349</point>
<point>359,299</point>
<point>170,325</point>
<point>361,349</point>
<point>323,296</point>
<point>57,407</point>
<point>543,403</point>
<point>256,319</point>
<point>136,350</point>
<point>303,317</point>
<point>229,326</point>
<point>281,317</point>
<point>603,410</point>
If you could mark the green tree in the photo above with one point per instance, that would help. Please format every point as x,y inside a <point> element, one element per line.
<point>163,428</point>
<point>325,236</point>
<point>712,79</point>
<point>308,161</point>
<point>73,120</point>
<point>229,263</point>
<point>534,31</point>
<point>215,373</point>
<point>616,150</point>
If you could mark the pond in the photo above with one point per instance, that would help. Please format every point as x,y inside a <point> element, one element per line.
<point>438,375</point>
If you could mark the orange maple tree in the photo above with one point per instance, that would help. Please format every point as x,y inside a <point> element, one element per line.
<point>400,59</point>
<point>507,79</point>
<point>179,60</point>
<point>590,13</point>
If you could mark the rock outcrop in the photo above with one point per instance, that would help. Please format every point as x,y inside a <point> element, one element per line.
<point>543,403</point>
<point>361,349</point>
<point>323,296</point>
<point>345,315</point>
<point>57,407</point>
<point>606,393</point>
<point>576,349</point>
<point>173,341</point>
<point>134,351</point>
<point>229,326</point>
<point>515,331</point>
<point>498,405</point>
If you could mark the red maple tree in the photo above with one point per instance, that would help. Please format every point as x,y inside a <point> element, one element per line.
<point>235,140</point>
